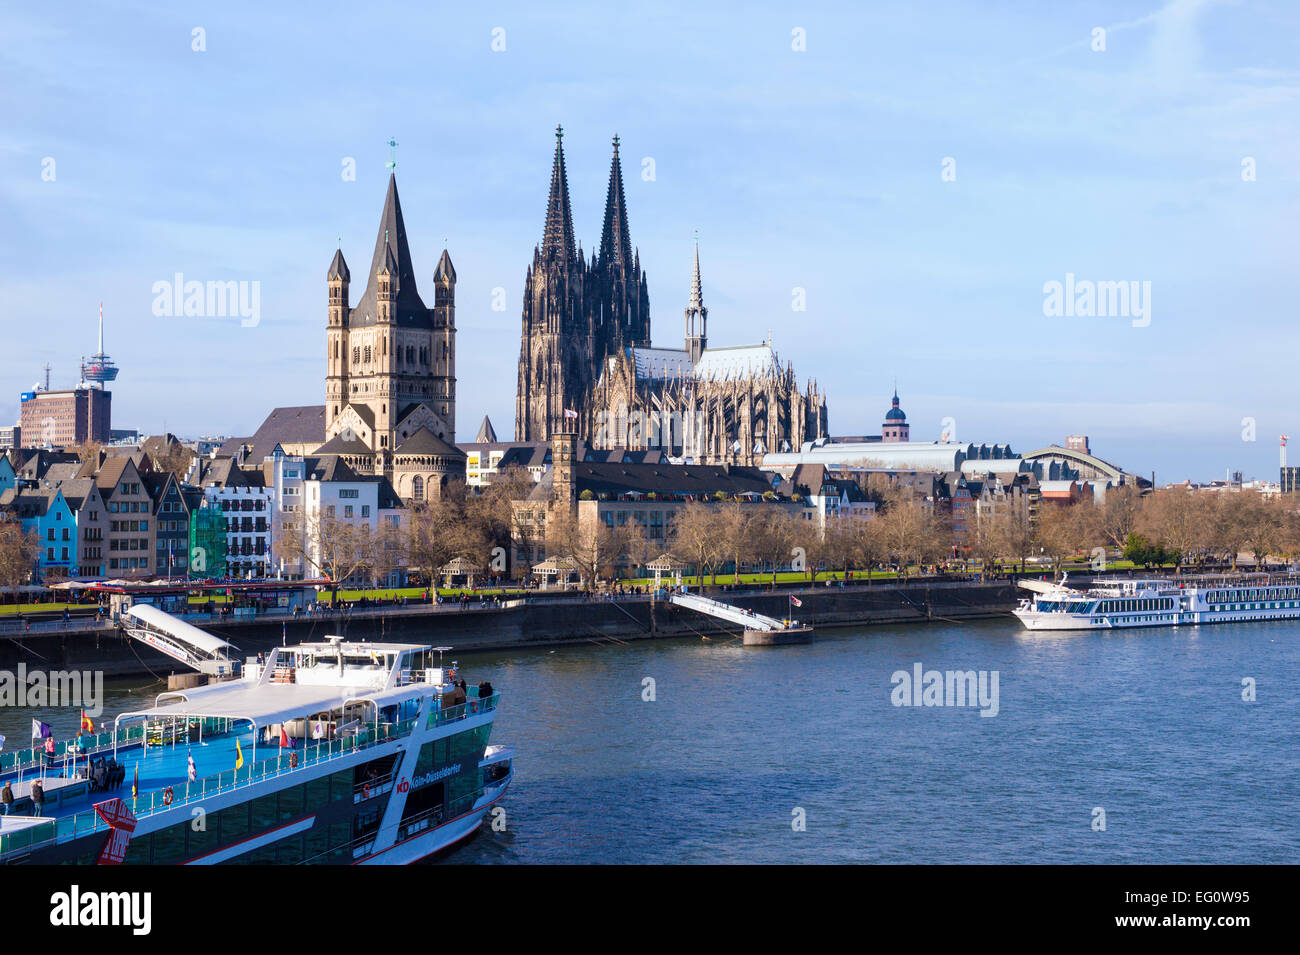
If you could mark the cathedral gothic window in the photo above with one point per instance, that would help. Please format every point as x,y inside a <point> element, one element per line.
<point>356,355</point>
<point>367,354</point>
<point>417,488</point>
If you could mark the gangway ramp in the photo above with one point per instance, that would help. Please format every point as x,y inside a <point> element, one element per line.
<point>716,608</point>
<point>760,630</point>
<point>179,640</point>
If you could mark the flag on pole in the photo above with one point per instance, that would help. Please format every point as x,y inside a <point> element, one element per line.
<point>40,730</point>
<point>570,413</point>
<point>2,742</point>
<point>284,737</point>
<point>239,756</point>
<point>193,770</point>
<point>795,601</point>
<point>87,724</point>
<point>135,782</point>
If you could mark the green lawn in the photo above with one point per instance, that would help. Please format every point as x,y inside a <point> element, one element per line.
<point>417,593</point>
<point>40,608</point>
<point>782,577</point>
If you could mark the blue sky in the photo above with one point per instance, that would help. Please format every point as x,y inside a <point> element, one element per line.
<point>817,169</point>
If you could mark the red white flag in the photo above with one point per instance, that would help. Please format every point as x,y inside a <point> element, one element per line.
<point>117,814</point>
<point>570,413</point>
<point>796,601</point>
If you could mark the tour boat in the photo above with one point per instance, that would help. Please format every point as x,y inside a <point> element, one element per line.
<point>333,752</point>
<point>1159,602</point>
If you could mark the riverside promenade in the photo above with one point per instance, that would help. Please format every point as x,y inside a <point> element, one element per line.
<point>545,618</point>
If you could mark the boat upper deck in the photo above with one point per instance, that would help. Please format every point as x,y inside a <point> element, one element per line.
<point>156,756</point>
<point>320,700</point>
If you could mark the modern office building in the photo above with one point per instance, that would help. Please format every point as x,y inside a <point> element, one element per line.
<point>63,418</point>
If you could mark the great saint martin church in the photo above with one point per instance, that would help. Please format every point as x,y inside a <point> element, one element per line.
<point>390,381</point>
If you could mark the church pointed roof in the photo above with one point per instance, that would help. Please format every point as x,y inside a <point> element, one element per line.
<point>615,245</point>
<point>424,441</point>
<point>557,238</point>
<point>339,267</point>
<point>445,272</point>
<point>486,433</point>
<point>393,251</point>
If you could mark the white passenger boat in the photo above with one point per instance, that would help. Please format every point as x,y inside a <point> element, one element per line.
<point>335,752</point>
<point>1166,602</point>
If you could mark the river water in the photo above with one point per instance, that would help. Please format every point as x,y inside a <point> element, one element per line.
<point>798,754</point>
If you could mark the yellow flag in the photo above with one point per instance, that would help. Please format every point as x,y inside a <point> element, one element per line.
<point>239,756</point>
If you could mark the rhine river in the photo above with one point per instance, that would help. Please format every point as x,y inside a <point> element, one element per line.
<point>738,743</point>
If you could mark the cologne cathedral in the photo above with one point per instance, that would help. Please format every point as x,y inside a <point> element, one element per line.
<point>586,356</point>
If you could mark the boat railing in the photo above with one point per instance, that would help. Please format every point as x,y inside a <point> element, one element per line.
<point>96,744</point>
<point>27,838</point>
<point>460,711</point>
<point>72,827</point>
<point>369,788</point>
<point>364,844</point>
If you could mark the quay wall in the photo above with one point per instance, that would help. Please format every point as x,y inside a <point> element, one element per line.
<point>541,621</point>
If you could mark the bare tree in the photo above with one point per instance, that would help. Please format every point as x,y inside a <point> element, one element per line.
<point>591,545</point>
<point>176,458</point>
<point>910,532</point>
<point>514,526</point>
<point>773,535</point>
<point>698,538</point>
<point>1015,530</point>
<point>1262,522</point>
<point>1179,518</point>
<point>866,542</point>
<point>19,550</point>
<point>334,548</point>
<point>438,531</point>
<point>1064,530</point>
<point>1120,513</point>
<point>85,450</point>
<point>736,533</point>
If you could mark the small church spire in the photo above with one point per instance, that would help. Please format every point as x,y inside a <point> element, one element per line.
<point>697,294</point>
<point>697,315</point>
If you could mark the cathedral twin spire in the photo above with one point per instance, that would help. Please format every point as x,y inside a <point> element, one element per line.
<point>576,313</point>
<point>615,245</point>
<point>557,237</point>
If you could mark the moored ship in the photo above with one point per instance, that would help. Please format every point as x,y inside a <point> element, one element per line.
<point>332,752</point>
<point>1159,602</point>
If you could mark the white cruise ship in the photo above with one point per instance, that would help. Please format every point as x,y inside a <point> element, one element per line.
<point>1164,602</point>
